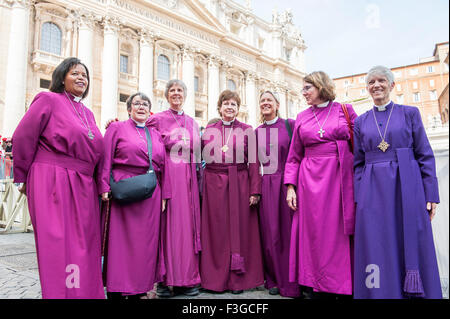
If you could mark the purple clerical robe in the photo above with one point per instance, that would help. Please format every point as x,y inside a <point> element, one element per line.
<point>321,169</point>
<point>180,225</point>
<point>231,257</point>
<point>131,262</point>
<point>394,250</point>
<point>275,216</point>
<point>55,157</point>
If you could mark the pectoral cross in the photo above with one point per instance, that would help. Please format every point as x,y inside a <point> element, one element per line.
<point>184,138</point>
<point>383,146</point>
<point>321,131</point>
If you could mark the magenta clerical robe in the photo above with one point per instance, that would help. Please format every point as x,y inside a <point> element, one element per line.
<point>231,257</point>
<point>321,169</point>
<point>180,224</point>
<point>275,216</point>
<point>55,157</point>
<point>131,262</point>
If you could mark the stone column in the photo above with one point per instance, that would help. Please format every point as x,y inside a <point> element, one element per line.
<point>146,54</point>
<point>283,105</point>
<point>85,50</point>
<point>223,75</point>
<point>188,79</point>
<point>110,70</point>
<point>213,87</point>
<point>16,69</point>
<point>252,104</point>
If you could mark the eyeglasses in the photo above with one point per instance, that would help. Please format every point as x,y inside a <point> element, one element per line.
<point>307,88</point>
<point>138,105</point>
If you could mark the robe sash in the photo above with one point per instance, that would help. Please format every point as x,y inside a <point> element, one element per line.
<point>340,149</point>
<point>410,214</point>
<point>64,161</point>
<point>237,261</point>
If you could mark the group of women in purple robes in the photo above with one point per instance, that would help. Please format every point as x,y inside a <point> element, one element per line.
<point>279,203</point>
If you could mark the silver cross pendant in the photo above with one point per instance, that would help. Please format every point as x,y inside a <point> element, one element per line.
<point>321,131</point>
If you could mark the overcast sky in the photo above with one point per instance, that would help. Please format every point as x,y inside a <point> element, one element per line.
<point>347,37</point>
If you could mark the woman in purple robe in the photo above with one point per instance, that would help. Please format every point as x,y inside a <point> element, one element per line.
<point>319,175</point>
<point>58,150</point>
<point>131,256</point>
<point>275,216</point>
<point>231,256</point>
<point>180,225</point>
<point>396,191</point>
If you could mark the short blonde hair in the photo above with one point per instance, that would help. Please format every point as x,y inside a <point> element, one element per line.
<point>228,95</point>
<point>326,87</point>
<point>275,97</point>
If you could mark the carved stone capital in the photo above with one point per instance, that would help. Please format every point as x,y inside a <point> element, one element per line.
<point>25,4</point>
<point>111,24</point>
<point>147,37</point>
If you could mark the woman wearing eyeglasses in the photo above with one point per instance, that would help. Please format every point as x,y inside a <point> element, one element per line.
<point>132,252</point>
<point>319,175</point>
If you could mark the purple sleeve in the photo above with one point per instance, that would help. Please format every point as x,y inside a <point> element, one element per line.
<point>27,134</point>
<point>166,186</point>
<point>110,142</point>
<point>295,156</point>
<point>359,158</point>
<point>254,175</point>
<point>425,157</point>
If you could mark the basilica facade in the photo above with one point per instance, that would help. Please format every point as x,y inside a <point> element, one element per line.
<point>137,45</point>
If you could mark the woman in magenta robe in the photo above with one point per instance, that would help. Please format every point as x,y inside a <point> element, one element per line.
<point>131,264</point>
<point>181,223</point>
<point>231,256</point>
<point>275,216</point>
<point>57,151</point>
<point>319,175</point>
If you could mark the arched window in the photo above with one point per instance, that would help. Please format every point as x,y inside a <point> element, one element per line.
<point>231,85</point>
<point>51,38</point>
<point>163,68</point>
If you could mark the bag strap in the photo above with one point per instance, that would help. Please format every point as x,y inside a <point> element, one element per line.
<point>349,124</point>
<point>289,129</point>
<point>149,149</point>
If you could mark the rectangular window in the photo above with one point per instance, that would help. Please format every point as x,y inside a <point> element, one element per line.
<point>433,95</point>
<point>123,63</point>
<point>123,98</point>
<point>44,84</point>
<point>363,92</point>
<point>361,79</point>
<point>398,74</point>
<point>400,99</point>
<point>432,83</point>
<point>416,97</point>
<point>399,87</point>
<point>415,85</point>
<point>430,69</point>
<point>199,114</point>
<point>414,71</point>
<point>196,83</point>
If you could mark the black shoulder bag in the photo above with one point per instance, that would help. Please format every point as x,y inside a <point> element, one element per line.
<point>289,129</point>
<point>136,188</point>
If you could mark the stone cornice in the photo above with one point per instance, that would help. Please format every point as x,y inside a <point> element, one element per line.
<point>26,4</point>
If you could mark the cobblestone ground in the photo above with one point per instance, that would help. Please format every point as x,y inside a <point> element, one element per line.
<point>19,277</point>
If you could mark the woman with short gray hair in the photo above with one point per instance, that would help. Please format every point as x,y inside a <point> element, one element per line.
<point>180,232</point>
<point>396,192</point>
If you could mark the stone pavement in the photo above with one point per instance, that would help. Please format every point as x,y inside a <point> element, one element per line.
<point>19,277</point>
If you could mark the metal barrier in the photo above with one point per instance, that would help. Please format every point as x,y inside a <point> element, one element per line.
<point>14,214</point>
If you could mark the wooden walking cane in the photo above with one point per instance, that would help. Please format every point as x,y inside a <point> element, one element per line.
<point>106,227</point>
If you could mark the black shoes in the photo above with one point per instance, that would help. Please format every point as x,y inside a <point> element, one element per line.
<point>190,291</point>
<point>163,291</point>
<point>274,291</point>
<point>237,292</point>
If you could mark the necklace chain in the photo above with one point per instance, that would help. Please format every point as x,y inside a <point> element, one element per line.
<point>86,125</point>
<point>184,131</point>
<point>321,131</point>
<point>225,144</point>
<point>383,144</point>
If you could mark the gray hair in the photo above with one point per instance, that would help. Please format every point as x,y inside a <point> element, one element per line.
<point>380,70</point>
<point>142,96</point>
<point>172,83</point>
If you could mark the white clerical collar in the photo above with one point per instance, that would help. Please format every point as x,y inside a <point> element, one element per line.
<point>178,112</point>
<point>272,121</point>
<point>382,107</point>
<point>76,98</point>
<point>138,124</point>
<point>226,122</point>
<point>325,104</point>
